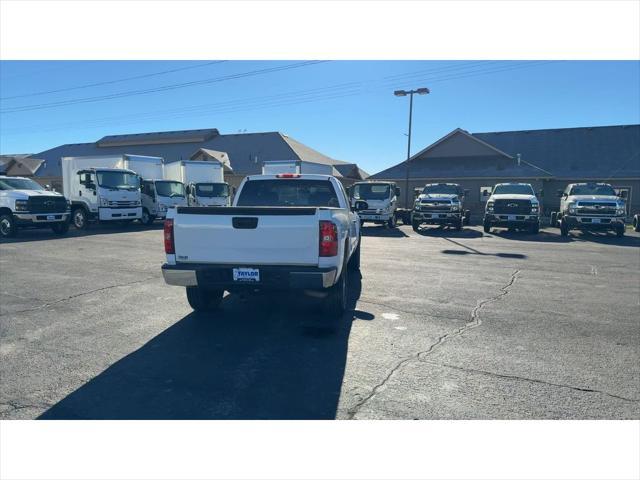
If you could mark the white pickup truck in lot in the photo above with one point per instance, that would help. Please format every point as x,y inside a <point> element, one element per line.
<point>284,232</point>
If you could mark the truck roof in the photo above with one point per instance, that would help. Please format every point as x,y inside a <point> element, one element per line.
<point>440,183</point>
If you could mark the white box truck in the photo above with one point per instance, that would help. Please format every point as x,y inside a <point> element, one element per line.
<point>157,194</point>
<point>203,180</point>
<point>101,188</point>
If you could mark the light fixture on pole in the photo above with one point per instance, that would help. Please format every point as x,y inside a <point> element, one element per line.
<point>404,93</point>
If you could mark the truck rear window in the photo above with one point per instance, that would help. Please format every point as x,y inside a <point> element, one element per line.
<point>288,193</point>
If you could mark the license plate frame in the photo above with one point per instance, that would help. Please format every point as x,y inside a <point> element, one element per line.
<point>246,275</point>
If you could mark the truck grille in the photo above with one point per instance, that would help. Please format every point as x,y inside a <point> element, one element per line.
<point>512,207</point>
<point>435,205</point>
<point>123,203</point>
<point>44,204</point>
<point>596,208</point>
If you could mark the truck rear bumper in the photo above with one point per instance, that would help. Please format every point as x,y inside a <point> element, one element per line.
<point>271,277</point>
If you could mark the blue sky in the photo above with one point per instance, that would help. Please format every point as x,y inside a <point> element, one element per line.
<point>345,109</point>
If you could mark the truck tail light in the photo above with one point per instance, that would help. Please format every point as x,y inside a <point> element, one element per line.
<point>169,245</point>
<point>328,239</point>
<point>288,175</point>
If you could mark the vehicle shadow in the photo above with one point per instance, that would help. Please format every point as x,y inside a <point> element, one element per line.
<point>442,232</point>
<point>382,231</point>
<point>40,234</point>
<point>553,236</point>
<point>253,359</point>
<point>466,250</point>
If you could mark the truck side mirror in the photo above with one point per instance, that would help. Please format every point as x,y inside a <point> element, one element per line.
<point>465,192</point>
<point>560,193</point>
<point>47,187</point>
<point>540,194</point>
<point>622,194</point>
<point>485,193</point>
<point>397,191</point>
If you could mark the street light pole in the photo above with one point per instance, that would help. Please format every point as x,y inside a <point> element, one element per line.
<point>404,93</point>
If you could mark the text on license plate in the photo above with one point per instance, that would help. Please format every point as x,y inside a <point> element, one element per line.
<point>595,220</point>
<point>246,275</point>
<point>51,217</point>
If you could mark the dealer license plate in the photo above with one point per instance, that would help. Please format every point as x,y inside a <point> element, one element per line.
<point>435,215</point>
<point>595,220</point>
<point>51,217</point>
<point>511,217</point>
<point>246,275</point>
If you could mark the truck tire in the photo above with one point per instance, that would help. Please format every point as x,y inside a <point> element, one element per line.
<point>467,218</point>
<point>415,224</point>
<point>554,219</point>
<point>564,228</point>
<point>80,218</point>
<point>336,302</point>
<point>354,261</point>
<point>620,231</point>
<point>146,219</point>
<point>204,300</point>
<point>636,223</point>
<point>487,226</point>
<point>391,223</point>
<point>534,229</point>
<point>60,228</point>
<point>8,227</point>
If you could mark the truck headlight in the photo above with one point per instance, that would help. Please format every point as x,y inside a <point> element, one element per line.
<point>621,211</point>
<point>455,207</point>
<point>490,207</point>
<point>22,205</point>
<point>534,208</point>
<point>104,202</point>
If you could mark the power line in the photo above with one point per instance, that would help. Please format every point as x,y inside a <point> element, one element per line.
<point>110,82</point>
<point>163,88</point>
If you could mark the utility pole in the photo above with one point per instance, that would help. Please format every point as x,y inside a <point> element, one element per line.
<point>404,93</point>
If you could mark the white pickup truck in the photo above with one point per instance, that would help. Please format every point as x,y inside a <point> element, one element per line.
<point>283,232</point>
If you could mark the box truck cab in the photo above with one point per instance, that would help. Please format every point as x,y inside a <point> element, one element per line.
<point>101,189</point>
<point>203,180</point>
<point>157,194</point>
<point>381,200</point>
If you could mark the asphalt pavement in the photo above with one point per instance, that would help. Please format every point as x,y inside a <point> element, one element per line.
<point>442,325</point>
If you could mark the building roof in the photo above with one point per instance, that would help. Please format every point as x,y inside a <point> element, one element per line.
<point>565,153</point>
<point>19,165</point>
<point>246,151</point>
<point>569,153</point>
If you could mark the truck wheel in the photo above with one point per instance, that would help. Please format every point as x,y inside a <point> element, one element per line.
<point>354,261</point>
<point>534,229</point>
<point>80,218</point>
<point>7,226</point>
<point>554,219</point>
<point>467,217</point>
<point>204,300</point>
<point>636,223</point>
<point>564,228</point>
<point>147,218</point>
<point>415,224</point>
<point>487,226</point>
<point>620,231</point>
<point>60,228</point>
<point>391,223</point>
<point>336,302</point>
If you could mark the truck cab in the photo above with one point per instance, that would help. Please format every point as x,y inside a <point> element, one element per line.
<point>158,196</point>
<point>590,207</point>
<point>208,194</point>
<point>380,202</point>
<point>103,194</point>
<point>440,204</point>
<point>25,203</point>
<point>513,206</point>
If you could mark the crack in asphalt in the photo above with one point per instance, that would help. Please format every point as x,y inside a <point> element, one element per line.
<point>473,322</point>
<point>65,299</point>
<point>534,380</point>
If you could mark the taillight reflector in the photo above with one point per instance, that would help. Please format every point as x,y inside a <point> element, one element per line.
<point>169,244</point>
<point>328,239</point>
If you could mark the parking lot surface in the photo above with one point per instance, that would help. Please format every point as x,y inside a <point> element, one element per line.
<point>443,325</point>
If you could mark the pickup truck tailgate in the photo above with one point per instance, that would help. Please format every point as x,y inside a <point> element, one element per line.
<point>247,235</point>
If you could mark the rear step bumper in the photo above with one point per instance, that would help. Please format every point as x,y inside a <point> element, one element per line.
<point>272,277</point>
